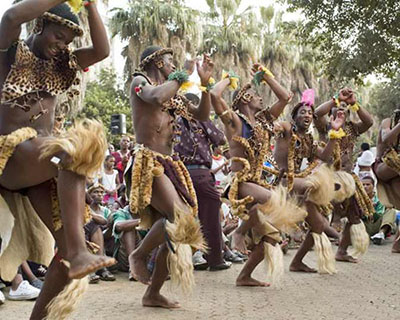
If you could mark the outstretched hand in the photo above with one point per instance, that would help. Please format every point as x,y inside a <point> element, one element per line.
<point>338,122</point>
<point>205,69</point>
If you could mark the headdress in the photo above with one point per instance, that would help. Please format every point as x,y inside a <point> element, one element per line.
<point>307,99</point>
<point>48,16</point>
<point>242,93</point>
<point>96,186</point>
<point>154,56</point>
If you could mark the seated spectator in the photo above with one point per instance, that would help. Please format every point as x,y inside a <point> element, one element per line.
<point>21,290</point>
<point>122,156</point>
<point>126,237</point>
<point>122,200</point>
<point>93,231</point>
<point>382,224</point>
<point>110,181</point>
<point>364,163</point>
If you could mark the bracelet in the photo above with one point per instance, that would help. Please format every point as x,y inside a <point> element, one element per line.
<point>180,75</point>
<point>224,113</point>
<point>233,78</point>
<point>354,107</point>
<point>87,3</point>
<point>336,134</point>
<point>209,87</point>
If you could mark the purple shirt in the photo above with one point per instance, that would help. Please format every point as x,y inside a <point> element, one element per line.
<point>196,138</point>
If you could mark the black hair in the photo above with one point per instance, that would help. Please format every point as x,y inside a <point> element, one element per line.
<point>365,146</point>
<point>369,178</point>
<point>148,51</point>
<point>63,10</point>
<point>297,108</point>
<point>109,156</point>
<point>193,98</point>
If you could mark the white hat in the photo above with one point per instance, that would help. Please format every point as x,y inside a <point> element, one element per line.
<point>366,159</point>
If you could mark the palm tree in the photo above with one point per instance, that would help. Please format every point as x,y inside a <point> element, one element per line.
<point>167,23</point>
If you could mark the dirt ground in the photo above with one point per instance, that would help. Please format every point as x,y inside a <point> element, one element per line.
<point>367,290</point>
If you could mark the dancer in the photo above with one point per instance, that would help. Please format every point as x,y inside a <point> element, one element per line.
<point>314,183</point>
<point>33,72</point>
<point>248,128</point>
<point>161,190</point>
<point>360,204</point>
<point>387,166</point>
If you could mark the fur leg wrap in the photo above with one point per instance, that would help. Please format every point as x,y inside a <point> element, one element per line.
<point>85,143</point>
<point>347,186</point>
<point>321,186</point>
<point>67,300</point>
<point>184,234</point>
<point>359,239</point>
<point>326,258</point>
<point>273,257</point>
<point>281,211</point>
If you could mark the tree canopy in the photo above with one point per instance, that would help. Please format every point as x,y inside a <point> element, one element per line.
<point>355,38</point>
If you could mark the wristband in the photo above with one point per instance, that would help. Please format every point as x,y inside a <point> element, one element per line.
<point>210,85</point>
<point>233,78</point>
<point>336,134</point>
<point>259,76</point>
<point>354,107</point>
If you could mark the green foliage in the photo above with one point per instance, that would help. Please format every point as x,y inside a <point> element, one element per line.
<point>104,98</point>
<point>385,98</point>
<point>355,38</point>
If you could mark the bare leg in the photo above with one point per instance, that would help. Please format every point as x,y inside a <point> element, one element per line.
<point>331,232</point>
<point>97,238</point>
<point>260,195</point>
<point>317,224</point>
<point>255,257</point>
<point>138,258</point>
<point>164,200</point>
<point>345,241</point>
<point>396,243</point>
<point>27,271</point>
<point>152,296</point>
<point>24,170</point>
<point>16,281</point>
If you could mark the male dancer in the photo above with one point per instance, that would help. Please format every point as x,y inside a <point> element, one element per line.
<point>161,190</point>
<point>248,128</point>
<point>32,73</point>
<point>294,144</point>
<point>387,166</point>
<point>354,232</point>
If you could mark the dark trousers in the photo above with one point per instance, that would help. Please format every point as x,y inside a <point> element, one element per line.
<point>209,202</point>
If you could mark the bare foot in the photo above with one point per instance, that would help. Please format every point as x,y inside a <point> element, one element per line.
<point>301,267</point>
<point>250,282</point>
<point>345,258</point>
<point>238,243</point>
<point>85,263</point>
<point>159,301</point>
<point>138,268</point>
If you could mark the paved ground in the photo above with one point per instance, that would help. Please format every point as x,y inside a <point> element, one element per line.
<point>368,290</point>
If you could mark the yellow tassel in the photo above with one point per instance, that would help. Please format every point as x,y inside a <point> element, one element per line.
<point>75,5</point>
<point>354,107</point>
<point>336,134</point>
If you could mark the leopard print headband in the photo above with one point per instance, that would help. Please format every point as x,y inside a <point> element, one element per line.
<point>59,20</point>
<point>242,94</point>
<point>154,56</point>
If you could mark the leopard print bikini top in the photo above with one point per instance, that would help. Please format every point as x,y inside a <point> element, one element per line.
<point>30,75</point>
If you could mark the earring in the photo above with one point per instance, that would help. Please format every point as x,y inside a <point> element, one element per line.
<point>159,64</point>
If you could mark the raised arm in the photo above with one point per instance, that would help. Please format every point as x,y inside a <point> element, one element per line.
<point>100,48</point>
<point>230,120</point>
<point>389,136</point>
<point>336,124</point>
<point>155,95</point>
<point>202,112</point>
<point>14,17</point>
<point>281,93</point>
<point>366,119</point>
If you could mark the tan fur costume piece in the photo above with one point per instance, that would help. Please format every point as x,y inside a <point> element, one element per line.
<point>347,186</point>
<point>67,300</point>
<point>321,186</point>
<point>326,258</point>
<point>359,239</point>
<point>273,257</point>
<point>282,211</point>
<point>185,233</point>
<point>85,143</point>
